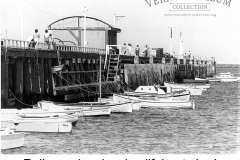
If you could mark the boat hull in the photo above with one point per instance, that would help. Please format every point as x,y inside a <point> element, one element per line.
<point>125,107</point>
<point>13,140</point>
<point>167,104</point>
<point>161,103</point>
<point>135,104</point>
<point>102,111</point>
<point>38,126</point>
<point>193,91</point>
<point>87,109</point>
<point>186,86</point>
<point>226,77</point>
<point>229,80</point>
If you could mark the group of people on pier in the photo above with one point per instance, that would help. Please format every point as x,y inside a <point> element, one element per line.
<point>128,50</point>
<point>48,39</point>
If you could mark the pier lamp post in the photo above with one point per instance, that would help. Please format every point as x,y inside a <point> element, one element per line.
<point>170,47</point>
<point>84,25</point>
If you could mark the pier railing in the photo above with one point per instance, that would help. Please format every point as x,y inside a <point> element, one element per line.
<point>177,56</point>
<point>11,43</point>
<point>79,49</point>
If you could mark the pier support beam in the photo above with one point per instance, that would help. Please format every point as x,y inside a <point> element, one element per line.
<point>19,81</point>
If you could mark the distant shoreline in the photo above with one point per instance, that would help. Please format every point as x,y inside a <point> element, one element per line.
<point>228,65</point>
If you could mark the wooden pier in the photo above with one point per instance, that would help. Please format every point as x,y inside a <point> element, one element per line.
<point>32,74</point>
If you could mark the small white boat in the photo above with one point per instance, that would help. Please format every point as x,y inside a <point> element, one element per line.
<point>85,106</point>
<point>40,115</point>
<point>148,103</point>
<point>120,107</point>
<point>10,139</point>
<point>212,79</point>
<point>196,80</point>
<point>226,77</point>
<point>86,110</point>
<point>160,92</point>
<point>136,105</point>
<point>189,87</point>
<point>154,102</point>
<point>57,68</point>
<point>36,126</point>
<point>185,86</point>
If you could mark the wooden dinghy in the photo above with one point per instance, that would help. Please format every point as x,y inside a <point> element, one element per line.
<point>160,92</point>
<point>10,139</point>
<point>86,109</point>
<point>31,125</point>
<point>154,102</point>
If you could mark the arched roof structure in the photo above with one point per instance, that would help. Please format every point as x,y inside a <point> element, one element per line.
<point>71,29</point>
<point>52,26</point>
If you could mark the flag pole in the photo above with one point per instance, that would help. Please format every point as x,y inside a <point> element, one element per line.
<point>114,20</point>
<point>171,40</point>
<point>84,32</point>
<point>22,18</point>
<point>100,74</point>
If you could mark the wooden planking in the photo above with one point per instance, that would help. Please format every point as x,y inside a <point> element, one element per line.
<point>77,70</point>
<point>4,82</point>
<point>41,77</point>
<point>148,74</point>
<point>71,75</point>
<point>27,71</point>
<point>50,75</point>
<point>19,81</point>
<point>81,68</point>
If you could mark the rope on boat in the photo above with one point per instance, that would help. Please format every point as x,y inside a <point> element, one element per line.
<point>19,100</point>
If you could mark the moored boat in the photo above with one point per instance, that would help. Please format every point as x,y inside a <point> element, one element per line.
<point>193,89</point>
<point>187,86</point>
<point>120,107</point>
<point>115,107</point>
<point>154,102</point>
<point>10,139</point>
<point>160,92</point>
<point>226,77</point>
<point>212,79</point>
<point>148,103</point>
<point>38,114</point>
<point>196,80</point>
<point>87,109</point>
<point>31,125</point>
<point>136,105</point>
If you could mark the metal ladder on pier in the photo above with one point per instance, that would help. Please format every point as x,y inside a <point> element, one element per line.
<point>113,64</point>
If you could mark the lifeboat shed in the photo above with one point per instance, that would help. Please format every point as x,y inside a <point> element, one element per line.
<point>70,31</point>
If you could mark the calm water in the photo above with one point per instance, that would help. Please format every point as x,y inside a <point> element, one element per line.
<point>212,128</point>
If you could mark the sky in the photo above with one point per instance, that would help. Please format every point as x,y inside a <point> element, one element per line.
<point>205,36</point>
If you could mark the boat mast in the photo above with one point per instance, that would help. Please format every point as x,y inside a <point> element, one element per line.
<point>181,51</point>
<point>100,74</point>
<point>22,18</point>
<point>171,40</point>
<point>84,26</point>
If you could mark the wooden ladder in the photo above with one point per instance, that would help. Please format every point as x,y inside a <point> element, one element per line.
<point>113,65</point>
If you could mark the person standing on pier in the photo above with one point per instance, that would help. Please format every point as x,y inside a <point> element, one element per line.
<point>36,38</point>
<point>46,38</point>
<point>51,41</point>
<point>137,51</point>
<point>189,54</point>
<point>129,49</point>
<point>124,48</point>
<point>145,51</point>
